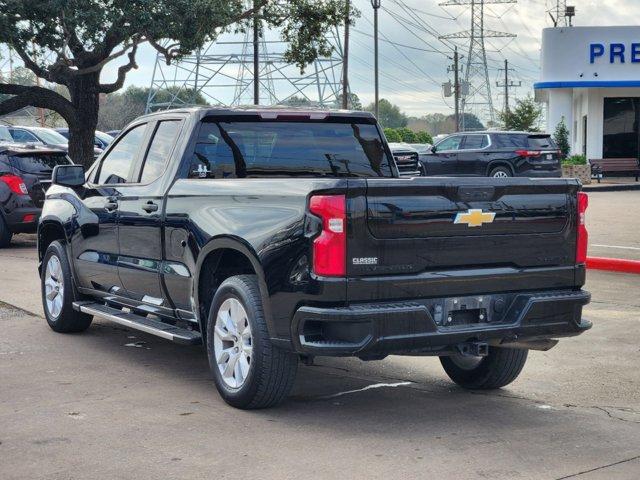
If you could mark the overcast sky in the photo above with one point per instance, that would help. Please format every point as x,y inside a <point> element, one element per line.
<point>414,69</point>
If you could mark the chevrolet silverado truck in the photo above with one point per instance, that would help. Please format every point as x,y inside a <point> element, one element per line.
<point>274,236</point>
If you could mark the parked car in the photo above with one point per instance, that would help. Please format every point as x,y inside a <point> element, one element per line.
<point>43,136</point>
<point>25,175</point>
<point>113,133</point>
<point>38,136</point>
<point>421,148</point>
<point>274,235</point>
<point>101,139</point>
<point>407,160</point>
<point>494,154</point>
<point>5,135</point>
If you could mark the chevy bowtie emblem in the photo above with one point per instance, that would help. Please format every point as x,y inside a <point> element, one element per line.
<point>475,217</point>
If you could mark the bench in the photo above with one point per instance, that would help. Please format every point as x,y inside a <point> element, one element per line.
<point>614,165</point>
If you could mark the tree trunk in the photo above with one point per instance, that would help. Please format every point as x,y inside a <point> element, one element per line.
<point>85,98</point>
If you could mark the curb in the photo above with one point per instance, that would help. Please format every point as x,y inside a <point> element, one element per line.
<point>612,188</point>
<point>614,264</point>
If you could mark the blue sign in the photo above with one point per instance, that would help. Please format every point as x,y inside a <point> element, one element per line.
<point>616,52</point>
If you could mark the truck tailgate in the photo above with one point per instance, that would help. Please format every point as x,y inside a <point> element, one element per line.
<point>440,225</point>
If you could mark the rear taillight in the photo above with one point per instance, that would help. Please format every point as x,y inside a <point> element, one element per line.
<point>15,184</point>
<point>528,153</point>
<point>330,247</point>
<point>583,236</point>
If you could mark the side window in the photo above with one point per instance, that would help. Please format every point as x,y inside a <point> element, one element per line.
<point>512,140</point>
<point>451,143</point>
<point>116,165</point>
<point>475,142</point>
<point>161,147</point>
<point>22,136</point>
<point>212,156</point>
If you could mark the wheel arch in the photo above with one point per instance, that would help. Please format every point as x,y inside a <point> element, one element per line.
<point>219,259</point>
<point>49,230</point>
<point>500,163</point>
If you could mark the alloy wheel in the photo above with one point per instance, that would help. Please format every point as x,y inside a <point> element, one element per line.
<point>232,343</point>
<point>54,286</point>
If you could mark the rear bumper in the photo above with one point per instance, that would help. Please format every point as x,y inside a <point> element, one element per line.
<point>534,173</point>
<point>378,329</point>
<point>16,219</point>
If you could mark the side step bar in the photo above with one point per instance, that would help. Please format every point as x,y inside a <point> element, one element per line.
<point>137,322</point>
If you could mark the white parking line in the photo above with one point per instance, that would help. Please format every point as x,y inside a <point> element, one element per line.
<point>620,247</point>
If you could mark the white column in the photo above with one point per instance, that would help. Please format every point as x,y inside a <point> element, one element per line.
<point>560,105</point>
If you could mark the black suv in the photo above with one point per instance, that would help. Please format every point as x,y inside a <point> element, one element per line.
<point>25,175</point>
<point>494,154</point>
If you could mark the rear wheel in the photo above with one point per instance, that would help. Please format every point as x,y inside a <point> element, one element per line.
<point>500,172</point>
<point>5,233</point>
<point>499,368</point>
<point>248,370</point>
<point>58,292</point>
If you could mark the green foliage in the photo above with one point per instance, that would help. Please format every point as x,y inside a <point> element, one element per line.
<point>392,134</point>
<point>87,29</point>
<point>439,123</point>
<point>524,117</point>
<point>575,160</point>
<point>407,136</point>
<point>390,115</point>
<point>424,137</point>
<point>561,137</point>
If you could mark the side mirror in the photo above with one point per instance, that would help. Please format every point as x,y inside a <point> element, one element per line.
<point>68,175</point>
<point>434,149</point>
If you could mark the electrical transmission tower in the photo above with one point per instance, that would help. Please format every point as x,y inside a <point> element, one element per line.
<point>479,100</point>
<point>223,72</point>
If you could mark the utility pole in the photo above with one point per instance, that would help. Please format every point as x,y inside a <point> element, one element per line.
<point>256,54</point>
<point>345,60</point>
<point>376,6</point>
<point>507,84</point>
<point>477,71</point>
<point>456,87</point>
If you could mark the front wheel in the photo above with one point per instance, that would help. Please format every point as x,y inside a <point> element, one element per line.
<point>58,292</point>
<point>500,172</point>
<point>248,370</point>
<point>498,369</point>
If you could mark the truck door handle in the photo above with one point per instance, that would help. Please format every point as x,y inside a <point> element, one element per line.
<point>150,207</point>
<point>111,204</point>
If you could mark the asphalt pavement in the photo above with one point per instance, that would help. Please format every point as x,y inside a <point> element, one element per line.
<point>114,403</point>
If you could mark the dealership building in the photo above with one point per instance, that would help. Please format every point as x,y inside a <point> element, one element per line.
<point>591,78</point>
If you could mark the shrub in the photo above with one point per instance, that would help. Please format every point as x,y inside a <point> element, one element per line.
<point>575,160</point>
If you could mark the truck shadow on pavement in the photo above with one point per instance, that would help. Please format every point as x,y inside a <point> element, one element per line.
<point>330,397</point>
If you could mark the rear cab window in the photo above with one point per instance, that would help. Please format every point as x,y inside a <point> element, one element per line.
<point>232,148</point>
<point>525,141</point>
<point>38,164</point>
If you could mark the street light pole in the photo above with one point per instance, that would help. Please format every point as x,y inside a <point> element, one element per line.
<point>376,6</point>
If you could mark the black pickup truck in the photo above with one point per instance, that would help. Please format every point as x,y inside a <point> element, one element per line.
<point>271,236</point>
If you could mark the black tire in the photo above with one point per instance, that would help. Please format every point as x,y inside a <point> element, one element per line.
<point>501,367</point>
<point>500,172</point>
<point>5,233</point>
<point>271,370</point>
<point>66,320</point>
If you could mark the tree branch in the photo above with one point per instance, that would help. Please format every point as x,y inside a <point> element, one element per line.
<point>35,97</point>
<point>31,65</point>
<point>122,73</point>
